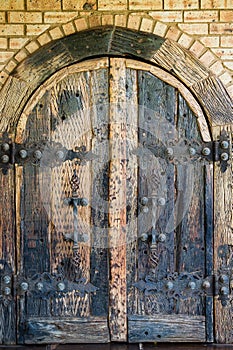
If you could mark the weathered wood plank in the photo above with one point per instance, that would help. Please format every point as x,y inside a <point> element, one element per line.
<point>170,328</point>
<point>66,330</point>
<point>99,111</point>
<point>117,202</point>
<point>223,241</point>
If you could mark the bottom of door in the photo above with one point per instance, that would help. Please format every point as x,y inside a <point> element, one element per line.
<point>166,328</point>
<point>66,330</point>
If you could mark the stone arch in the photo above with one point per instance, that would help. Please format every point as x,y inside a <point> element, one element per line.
<point>96,40</point>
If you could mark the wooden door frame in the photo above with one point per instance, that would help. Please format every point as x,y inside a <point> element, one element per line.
<point>175,60</point>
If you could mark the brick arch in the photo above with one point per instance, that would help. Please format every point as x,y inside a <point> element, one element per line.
<point>128,36</point>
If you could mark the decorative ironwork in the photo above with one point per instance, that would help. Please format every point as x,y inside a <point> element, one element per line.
<point>44,153</point>
<point>46,285</point>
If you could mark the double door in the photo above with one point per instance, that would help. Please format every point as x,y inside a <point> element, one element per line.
<point>109,205</point>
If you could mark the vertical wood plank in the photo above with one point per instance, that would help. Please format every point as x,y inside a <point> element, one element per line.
<point>117,202</point>
<point>223,240</point>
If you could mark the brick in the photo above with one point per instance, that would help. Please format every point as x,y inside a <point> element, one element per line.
<point>160,29</point>
<point>17,43</point>
<point>94,21</point>
<point>210,41</point>
<point>59,17</point>
<point>173,33</point>
<point>12,29</point>
<point>69,28</point>
<point>212,4</point>
<point>11,4</point>
<point>121,20</point>
<point>134,21</point>
<point>107,20</point>
<point>44,39</point>
<point>224,54</point>
<point>56,33</point>
<point>43,5</point>
<point>221,28</point>
<point>6,55</point>
<point>229,65</point>
<point>195,28</point>
<point>2,17</point>
<point>226,41</point>
<point>147,25</point>
<point>200,16</point>
<point>208,58</point>
<point>112,5</point>
<point>10,66</point>
<point>3,43</point>
<point>32,46</point>
<point>25,17</point>
<point>226,78</point>
<point>185,40</point>
<point>167,16</point>
<point>21,55</point>
<point>197,48</point>
<point>180,4</point>
<point>217,68</point>
<point>36,29</point>
<point>145,5</point>
<point>81,24</point>
<point>79,5</point>
<point>226,16</point>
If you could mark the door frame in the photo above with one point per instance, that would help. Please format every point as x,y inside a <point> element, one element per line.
<point>179,64</point>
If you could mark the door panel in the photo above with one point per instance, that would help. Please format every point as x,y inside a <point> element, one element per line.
<point>130,265</point>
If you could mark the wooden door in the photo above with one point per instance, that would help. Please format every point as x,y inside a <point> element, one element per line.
<point>113,210</point>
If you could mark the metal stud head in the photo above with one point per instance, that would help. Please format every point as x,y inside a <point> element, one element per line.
<point>224,291</point>
<point>224,156</point>
<point>84,202</point>
<point>161,201</point>
<point>24,286</point>
<point>206,151</point>
<point>144,237</point>
<point>192,285</point>
<point>162,237</point>
<point>60,155</point>
<point>192,151</point>
<point>145,210</point>
<point>144,200</point>
<point>170,151</point>
<point>7,291</point>
<point>38,154</point>
<point>5,146</point>
<point>39,286</point>
<point>23,153</point>
<point>223,279</point>
<point>61,286</point>
<point>169,285</point>
<point>224,144</point>
<point>5,159</point>
<point>7,279</point>
<point>206,284</point>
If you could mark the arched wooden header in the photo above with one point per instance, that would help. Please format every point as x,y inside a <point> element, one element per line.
<point>113,41</point>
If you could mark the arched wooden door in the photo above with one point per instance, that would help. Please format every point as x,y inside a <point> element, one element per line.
<point>113,210</point>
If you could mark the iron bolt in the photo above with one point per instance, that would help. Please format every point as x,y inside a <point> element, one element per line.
<point>7,279</point>
<point>192,285</point>
<point>5,147</point>
<point>223,278</point>
<point>23,153</point>
<point>61,286</point>
<point>5,159</point>
<point>38,154</point>
<point>192,151</point>
<point>206,151</point>
<point>224,156</point>
<point>144,237</point>
<point>7,291</point>
<point>170,151</point>
<point>224,291</point>
<point>206,284</point>
<point>84,202</point>
<point>162,237</point>
<point>24,286</point>
<point>145,210</point>
<point>224,144</point>
<point>169,285</point>
<point>39,286</point>
<point>161,201</point>
<point>144,200</point>
<point>60,155</point>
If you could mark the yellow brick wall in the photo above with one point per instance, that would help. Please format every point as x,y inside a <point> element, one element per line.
<point>205,27</point>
